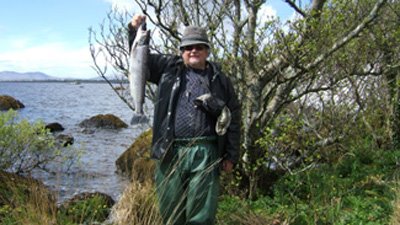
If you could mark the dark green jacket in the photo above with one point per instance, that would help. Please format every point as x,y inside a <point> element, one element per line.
<point>166,72</point>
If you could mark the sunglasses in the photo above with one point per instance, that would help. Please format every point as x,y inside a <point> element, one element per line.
<point>196,47</point>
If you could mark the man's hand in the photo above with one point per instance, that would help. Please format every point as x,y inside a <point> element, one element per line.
<point>137,20</point>
<point>227,165</point>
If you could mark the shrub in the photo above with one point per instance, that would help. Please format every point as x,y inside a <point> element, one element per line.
<point>358,189</point>
<point>85,209</point>
<point>26,146</point>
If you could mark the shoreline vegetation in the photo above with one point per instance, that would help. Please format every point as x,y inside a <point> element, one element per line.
<point>361,187</point>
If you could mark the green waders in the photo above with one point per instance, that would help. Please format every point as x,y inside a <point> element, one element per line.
<point>188,185</point>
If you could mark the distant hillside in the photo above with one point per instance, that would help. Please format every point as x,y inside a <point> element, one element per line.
<point>29,76</point>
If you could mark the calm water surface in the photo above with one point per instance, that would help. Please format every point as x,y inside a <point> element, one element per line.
<point>69,104</point>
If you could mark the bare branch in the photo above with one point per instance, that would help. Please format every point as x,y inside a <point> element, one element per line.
<point>295,7</point>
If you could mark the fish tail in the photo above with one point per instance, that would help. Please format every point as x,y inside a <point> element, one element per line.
<point>138,119</point>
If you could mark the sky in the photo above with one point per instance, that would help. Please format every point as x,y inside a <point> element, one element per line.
<point>51,36</point>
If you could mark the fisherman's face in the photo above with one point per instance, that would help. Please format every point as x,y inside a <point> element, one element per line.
<point>195,56</point>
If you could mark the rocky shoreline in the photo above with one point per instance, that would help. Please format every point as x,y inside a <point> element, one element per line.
<point>134,163</point>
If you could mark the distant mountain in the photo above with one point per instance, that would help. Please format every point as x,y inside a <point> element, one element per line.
<point>29,76</point>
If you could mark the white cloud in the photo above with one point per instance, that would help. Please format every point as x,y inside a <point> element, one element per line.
<point>294,17</point>
<point>267,12</point>
<point>19,43</point>
<point>56,59</point>
<point>122,5</point>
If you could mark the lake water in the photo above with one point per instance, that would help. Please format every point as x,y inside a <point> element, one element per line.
<point>69,104</point>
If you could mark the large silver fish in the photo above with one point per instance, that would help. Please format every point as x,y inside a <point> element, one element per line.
<point>139,72</point>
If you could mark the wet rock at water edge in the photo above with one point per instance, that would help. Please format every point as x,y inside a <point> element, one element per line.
<point>7,102</point>
<point>54,127</point>
<point>135,162</point>
<point>88,130</point>
<point>65,140</point>
<point>107,121</point>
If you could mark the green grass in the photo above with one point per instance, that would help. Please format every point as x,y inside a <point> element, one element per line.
<point>84,211</point>
<point>360,188</point>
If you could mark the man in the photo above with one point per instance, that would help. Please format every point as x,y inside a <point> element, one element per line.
<point>185,143</point>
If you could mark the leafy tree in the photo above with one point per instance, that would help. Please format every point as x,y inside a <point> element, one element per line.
<point>336,58</point>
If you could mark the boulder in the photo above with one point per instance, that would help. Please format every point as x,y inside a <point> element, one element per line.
<point>107,121</point>
<point>54,127</point>
<point>7,102</point>
<point>65,140</point>
<point>135,162</point>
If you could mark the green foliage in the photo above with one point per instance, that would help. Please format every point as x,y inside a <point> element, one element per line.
<point>357,189</point>
<point>25,201</point>
<point>84,211</point>
<point>235,211</point>
<point>284,145</point>
<point>26,146</point>
<point>286,137</point>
